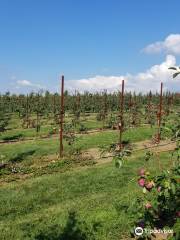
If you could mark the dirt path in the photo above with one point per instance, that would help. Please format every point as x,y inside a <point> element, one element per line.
<point>163,146</point>
<point>94,154</point>
<point>56,136</point>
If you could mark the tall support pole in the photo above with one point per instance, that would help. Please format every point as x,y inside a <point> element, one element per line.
<point>61,117</point>
<point>149,100</point>
<point>27,111</point>
<point>121,115</point>
<point>78,100</point>
<point>54,103</point>
<point>37,115</point>
<point>78,109</point>
<point>19,103</point>
<point>104,107</point>
<point>160,114</point>
<point>149,109</point>
<point>130,108</point>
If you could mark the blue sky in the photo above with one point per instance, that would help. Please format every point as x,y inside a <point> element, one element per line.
<point>89,41</point>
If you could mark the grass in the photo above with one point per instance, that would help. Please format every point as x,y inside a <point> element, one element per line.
<point>38,207</point>
<point>15,128</point>
<point>105,138</point>
<point>25,133</point>
<point>95,193</point>
<point>42,147</point>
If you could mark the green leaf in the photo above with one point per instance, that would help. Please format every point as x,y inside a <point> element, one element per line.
<point>173,68</point>
<point>176,74</point>
<point>144,190</point>
<point>118,163</point>
<point>166,128</point>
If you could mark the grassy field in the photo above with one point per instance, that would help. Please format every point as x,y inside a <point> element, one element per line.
<point>44,197</point>
<point>41,147</point>
<point>98,194</point>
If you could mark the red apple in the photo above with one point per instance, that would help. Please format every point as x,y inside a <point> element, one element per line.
<point>141,182</point>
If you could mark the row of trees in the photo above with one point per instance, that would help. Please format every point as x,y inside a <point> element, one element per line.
<point>86,102</point>
<point>47,105</point>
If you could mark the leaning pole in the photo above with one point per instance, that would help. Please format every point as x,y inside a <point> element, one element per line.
<point>160,114</point>
<point>121,115</point>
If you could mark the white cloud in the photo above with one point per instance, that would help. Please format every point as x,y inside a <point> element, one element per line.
<point>96,83</point>
<point>171,45</point>
<point>27,83</point>
<point>143,81</point>
<point>24,83</point>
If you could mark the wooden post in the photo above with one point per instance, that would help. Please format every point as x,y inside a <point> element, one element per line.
<point>130,104</point>
<point>19,104</point>
<point>78,109</point>
<point>61,117</point>
<point>149,108</point>
<point>130,101</point>
<point>27,111</point>
<point>37,115</point>
<point>78,101</point>
<point>149,100</point>
<point>160,114</point>
<point>121,115</point>
<point>54,103</point>
<point>104,107</point>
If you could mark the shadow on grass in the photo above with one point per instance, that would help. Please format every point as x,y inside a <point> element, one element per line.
<point>12,137</point>
<point>21,156</point>
<point>74,230</point>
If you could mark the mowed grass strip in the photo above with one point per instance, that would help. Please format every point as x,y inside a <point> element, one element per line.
<point>44,147</point>
<point>97,194</point>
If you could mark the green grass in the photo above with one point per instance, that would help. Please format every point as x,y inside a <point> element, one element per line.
<point>96,194</point>
<point>41,203</point>
<point>51,146</point>
<point>15,127</point>
<point>108,137</point>
<point>90,124</point>
<point>26,133</point>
